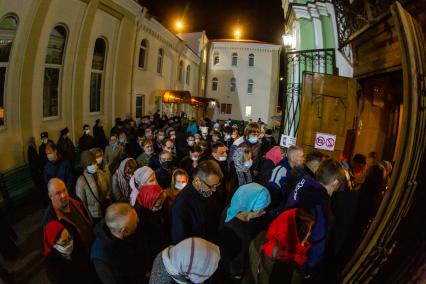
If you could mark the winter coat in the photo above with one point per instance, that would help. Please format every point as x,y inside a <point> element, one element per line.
<point>94,192</point>
<point>111,154</point>
<point>193,216</point>
<point>100,139</point>
<point>86,142</point>
<point>60,169</point>
<point>67,150</point>
<point>120,261</point>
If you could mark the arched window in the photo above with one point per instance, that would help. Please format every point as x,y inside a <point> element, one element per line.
<point>53,67</point>
<point>188,74</point>
<point>8,28</point>
<point>234,59</point>
<point>143,53</point>
<point>233,85</point>
<point>250,86</point>
<point>180,71</point>
<point>215,82</point>
<point>160,58</point>
<point>96,78</point>
<point>216,58</point>
<point>251,60</point>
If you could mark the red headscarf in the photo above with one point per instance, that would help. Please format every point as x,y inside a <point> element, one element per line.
<point>274,155</point>
<point>148,195</point>
<point>282,242</point>
<point>50,235</point>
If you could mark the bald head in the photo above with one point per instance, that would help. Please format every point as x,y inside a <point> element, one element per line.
<point>121,219</point>
<point>295,156</point>
<point>58,193</point>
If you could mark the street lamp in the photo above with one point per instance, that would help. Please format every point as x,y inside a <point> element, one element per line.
<point>289,41</point>
<point>237,33</point>
<point>179,25</point>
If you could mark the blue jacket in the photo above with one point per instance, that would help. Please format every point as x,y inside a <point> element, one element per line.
<point>60,169</point>
<point>313,197</point>
<point>278,181</point>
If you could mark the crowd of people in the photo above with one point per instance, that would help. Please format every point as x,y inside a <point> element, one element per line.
<point>179,201</point>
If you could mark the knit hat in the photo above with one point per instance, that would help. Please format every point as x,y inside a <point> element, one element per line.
<point>87,158</point>
<point>51,234</point>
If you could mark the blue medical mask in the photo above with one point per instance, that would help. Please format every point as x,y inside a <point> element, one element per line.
<point>92,169</point>
<point>253,139</point>
<point>248,164</point>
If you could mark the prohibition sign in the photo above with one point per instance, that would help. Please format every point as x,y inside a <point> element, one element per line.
<point>320,141</point>
<point>329,143</point>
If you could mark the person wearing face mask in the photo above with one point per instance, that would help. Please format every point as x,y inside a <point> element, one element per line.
<point>86,141</point>
<point>197,138</point>
<point>180,179</point>
<point>227,137</point>
<point>120,249</point>
<point>190,162</point>
<point>141,177</point>
<point>161,135</point>
<point>194,212</point>
<point>56,167</point>
<point>44,136</point>
<point>183,146</point>
<point>148,152</point>
<point>92,187</point>
<point>134,145</point>
<point>268,163</point>
<point>102,166</point>
<point>268,141</point>
<point>66,147</point>
<point>120,180</point>
<point>149,206</point>
<point>113,151</point>
<point>164,172</point>
<point>65,262</point>
<point>242,165</point>
<point>240,225</point>
<point>219,155</point>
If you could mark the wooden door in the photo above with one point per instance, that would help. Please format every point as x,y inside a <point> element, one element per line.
<point>328,106</point>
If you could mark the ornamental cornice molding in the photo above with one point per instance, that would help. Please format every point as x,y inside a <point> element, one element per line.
<point>309,11</point>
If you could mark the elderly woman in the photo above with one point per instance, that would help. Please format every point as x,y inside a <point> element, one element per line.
<point>120,180</point>
<point>193,260</point>
<point>93,188</point>
<point>241,224</point>
<point>64,259</point>
<point>141,176</point>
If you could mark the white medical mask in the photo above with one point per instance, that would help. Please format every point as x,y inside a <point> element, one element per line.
<point>248,164</point>
<point>148,134</point>
<point>52,157</point>
<point>221,158</point>
<point>194,158</point>
<point>227,137</point>
<point>253,139</point>
<point>180,186</point>
<point>173,137</point>
<point>65,250</point>
<point>148,152</point>
<point>91,169</point>
<point>190,142</point>
<point>44,140</point>
<point>99,160</point>
<point>86,131</point>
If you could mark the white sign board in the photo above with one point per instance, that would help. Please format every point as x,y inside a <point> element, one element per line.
<point>287,141</point>
<point>325,141</point>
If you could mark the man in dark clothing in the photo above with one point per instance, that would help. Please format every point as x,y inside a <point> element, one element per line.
<point>219,155</point>
<point>99,137</point>
<point>42,148</point>
<point>268,141</point>
<point>194,212</point>
<point>118,252</point>
<point>315,197</point>
<point>165,171</point>
<point>66,147</point>
<point>69,212</point>
<point>86,141</point>
<point>57,167</point>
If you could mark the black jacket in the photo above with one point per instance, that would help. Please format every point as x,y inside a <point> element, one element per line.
<point>86,142</point>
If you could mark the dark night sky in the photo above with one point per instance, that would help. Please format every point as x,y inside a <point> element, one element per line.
<point>258,20</point>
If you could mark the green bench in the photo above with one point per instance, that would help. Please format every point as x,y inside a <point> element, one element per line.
<point>16,185</point>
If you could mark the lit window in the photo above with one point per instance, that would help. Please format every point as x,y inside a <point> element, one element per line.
<point>215,82</point>
<point>248,111</point>
<point>160,58</point>
<point>250,85</point>
<point>234,59</point>
<point>188,74</point>
<point>96,79</point>
<point>251,60</point>
<point>180,71</point>
<point>7,34</point>
<point>143,52</point>
<point>233,85</point>
<point>216,58</point>
<point>53,71</point>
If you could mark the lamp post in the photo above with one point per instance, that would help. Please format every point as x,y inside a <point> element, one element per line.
<point>288,44</point>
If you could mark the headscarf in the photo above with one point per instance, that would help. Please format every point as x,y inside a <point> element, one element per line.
<point>282,241</point>
<point>247,198</point>
<point>193,259</point>
<point>121,179</point>
<point>50,235</point>
<point>148,195</point>
<point>275,155</point>
<point>139,178</point>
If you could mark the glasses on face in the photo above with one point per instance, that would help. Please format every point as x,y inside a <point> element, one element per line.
<point>211,187</point>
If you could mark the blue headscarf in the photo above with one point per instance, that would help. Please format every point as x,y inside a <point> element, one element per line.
<point>248,197</point>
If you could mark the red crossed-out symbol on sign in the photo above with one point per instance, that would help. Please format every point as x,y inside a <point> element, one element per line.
<point>329,143</point>
<point>320,141</point>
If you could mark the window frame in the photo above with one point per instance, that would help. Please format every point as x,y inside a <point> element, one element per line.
<point>145,48</point>
<point>180,71</point>
<point>188,74</point>
<point>250,86</point>
<point>102,72</point>
<point>251,111</point>
<point>251,61</point>
<point>215,84</point>
<point>233,85</point>
<point>234,59</point>
<point>216,58</point>
<point>160,61</point>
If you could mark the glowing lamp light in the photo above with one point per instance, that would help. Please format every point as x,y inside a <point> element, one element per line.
<point>237,33</point>
<point>289,41</point>
<point>179,25</point>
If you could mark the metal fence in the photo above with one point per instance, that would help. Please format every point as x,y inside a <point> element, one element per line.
<point>296,63</point>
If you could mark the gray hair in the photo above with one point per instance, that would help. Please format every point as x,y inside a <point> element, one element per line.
<point>115,215</point>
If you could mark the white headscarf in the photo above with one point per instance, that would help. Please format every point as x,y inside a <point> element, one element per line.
<point>140,177</point>
<point>193,259</point>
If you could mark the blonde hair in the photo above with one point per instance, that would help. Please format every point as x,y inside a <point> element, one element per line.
<point>252,127</point>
